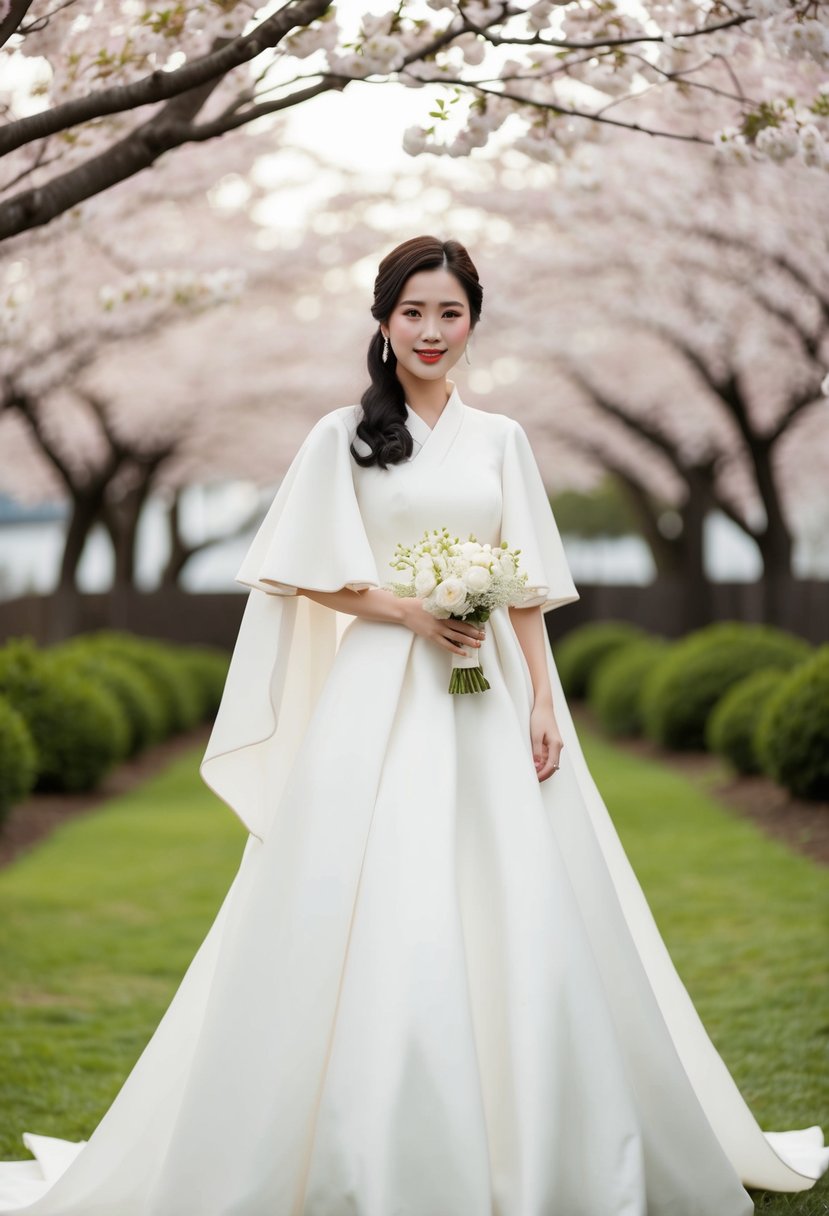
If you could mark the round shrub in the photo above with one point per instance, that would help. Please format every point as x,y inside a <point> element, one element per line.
<point>177,692</point>
<point>18,758</point>
<point>208,667</point>
<point>792,735</point>
<point>580,652</point>
<point>731,725</point>
<point>134,692</point>
<point>615,691</point>
<point>79,730</point>
<point>701,667</point>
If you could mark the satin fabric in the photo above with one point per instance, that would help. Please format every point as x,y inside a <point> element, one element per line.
<point>434,987</point>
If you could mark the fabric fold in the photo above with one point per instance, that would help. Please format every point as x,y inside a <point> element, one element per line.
<point>528,523</point>
<point>312,536</point>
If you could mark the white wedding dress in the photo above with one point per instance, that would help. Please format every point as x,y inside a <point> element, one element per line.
<point>434,987</point>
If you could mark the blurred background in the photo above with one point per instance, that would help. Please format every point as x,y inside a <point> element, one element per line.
<point>657,321</point>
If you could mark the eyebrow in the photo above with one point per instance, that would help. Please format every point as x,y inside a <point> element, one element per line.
<point>444,303</point>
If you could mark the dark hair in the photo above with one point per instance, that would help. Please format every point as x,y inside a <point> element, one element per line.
<point>383,423</point>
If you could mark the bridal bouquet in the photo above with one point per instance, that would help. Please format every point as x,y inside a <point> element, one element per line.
<point>462,579</point>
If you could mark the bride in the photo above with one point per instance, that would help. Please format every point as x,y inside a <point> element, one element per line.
<point>434,987</point>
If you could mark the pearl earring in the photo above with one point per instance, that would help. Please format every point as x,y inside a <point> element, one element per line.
<point>386,349</point>
<point>466,352</point>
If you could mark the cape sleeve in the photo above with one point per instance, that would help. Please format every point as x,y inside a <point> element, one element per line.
<point>313,534</point>
<point>313,537</point>
<point>528,524</point>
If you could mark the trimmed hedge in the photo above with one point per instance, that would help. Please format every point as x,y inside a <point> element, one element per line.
<point>701,667</point>
<point>792,735</point>
<point>79,731</point>
<point>731,725</point>
<point>615,690</point>
<point>69,713</point>
<point>18,758</point>
<point>581,651</point>
<point>208,667</point>
<point>134,692</point>
<point>178,692</point>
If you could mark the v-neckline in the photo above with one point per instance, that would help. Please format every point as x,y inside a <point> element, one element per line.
<point>431,444</point>
<point>420,430</point>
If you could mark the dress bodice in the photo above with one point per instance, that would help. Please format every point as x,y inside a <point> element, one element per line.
<point>452,479</point>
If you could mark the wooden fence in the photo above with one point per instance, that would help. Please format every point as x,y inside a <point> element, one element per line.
<point>214,619</point>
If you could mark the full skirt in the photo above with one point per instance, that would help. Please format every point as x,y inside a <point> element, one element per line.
<point>433,989</point>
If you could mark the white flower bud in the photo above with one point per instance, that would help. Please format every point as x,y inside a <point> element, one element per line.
<point>414,141</point>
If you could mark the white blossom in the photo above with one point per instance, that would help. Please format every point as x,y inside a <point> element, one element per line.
<point>477,578</point>
<point>809,38</point>
<point>778,143</point>
<point>382,52</point>
<point>732,147</point>
<point>425,582</point>
<point>415,141</point>
<point>812,146</point>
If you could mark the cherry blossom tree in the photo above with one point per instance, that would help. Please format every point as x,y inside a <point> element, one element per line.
<point>691,318</point>
<point>110,89</point>
<point>674,335</point>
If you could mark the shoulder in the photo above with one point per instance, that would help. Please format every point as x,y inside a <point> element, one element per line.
<point>343,419</point>
<point>499,427</point>
<point>333,430</point>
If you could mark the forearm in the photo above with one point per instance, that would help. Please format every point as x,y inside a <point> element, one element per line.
<point>528,624</point>
<point>374,604</point>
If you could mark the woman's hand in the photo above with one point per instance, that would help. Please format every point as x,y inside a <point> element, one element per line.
<point>458,637</point>
<point>546,740</point>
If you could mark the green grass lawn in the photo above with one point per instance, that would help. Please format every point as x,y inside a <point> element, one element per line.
<point>101,920</point>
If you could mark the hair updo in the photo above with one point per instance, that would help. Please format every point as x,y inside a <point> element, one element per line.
<point>383,423</point>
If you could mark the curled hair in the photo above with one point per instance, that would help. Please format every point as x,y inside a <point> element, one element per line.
<point>383,423</point>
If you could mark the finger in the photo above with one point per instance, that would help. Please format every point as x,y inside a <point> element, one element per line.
<point>451,644</point>
<point>552,765</point>
<point>546,771</point>
<point>465,639</point>
<point>466,631</point>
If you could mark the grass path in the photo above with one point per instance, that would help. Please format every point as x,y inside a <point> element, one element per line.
<point>101,920</point>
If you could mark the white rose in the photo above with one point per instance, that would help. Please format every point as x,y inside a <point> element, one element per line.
<point>424,582</point>
<point>507,564</point>
<point>477,578</point>
<point>424,563</point>
<point>451,596</point>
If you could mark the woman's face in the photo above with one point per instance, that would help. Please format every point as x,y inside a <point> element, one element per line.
<point>431,318</point>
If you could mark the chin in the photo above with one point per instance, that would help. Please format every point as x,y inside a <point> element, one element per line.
<point>436,372</point>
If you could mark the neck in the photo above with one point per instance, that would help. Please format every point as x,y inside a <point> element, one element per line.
<point>425,397</point>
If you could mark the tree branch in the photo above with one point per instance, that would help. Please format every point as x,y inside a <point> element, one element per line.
<point>596,43</point>
<point>160,85</point>
<point>8,26</point>
<point>571,113</point>
<point>230,120</point>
